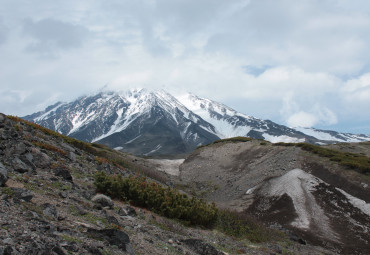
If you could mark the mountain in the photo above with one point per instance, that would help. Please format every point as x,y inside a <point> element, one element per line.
<point>156,123</point>
<point>138,121</point>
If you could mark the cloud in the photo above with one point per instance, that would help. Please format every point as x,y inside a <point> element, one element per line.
<point>297,113</point>
<point>318,116</point>
<point>50,35</point>
<point>302,119</point>
<point>3,32</point>
<point>358,89</point>
<point>280,60</point>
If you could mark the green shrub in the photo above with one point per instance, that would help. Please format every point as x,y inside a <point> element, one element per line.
<point>357,162</point>
<point>241,225</point>
<point>164,201</point>
<point>237,139</point>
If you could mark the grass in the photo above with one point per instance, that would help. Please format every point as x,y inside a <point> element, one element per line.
<point>8,191</point>
<point>357,162</point>
<point>88,216</point>
<point>71,239</point>
<point>241,225</point>
<point>60,186</point>
<point>238,139</point>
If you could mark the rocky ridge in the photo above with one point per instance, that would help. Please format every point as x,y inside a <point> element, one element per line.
<point>48,205</point>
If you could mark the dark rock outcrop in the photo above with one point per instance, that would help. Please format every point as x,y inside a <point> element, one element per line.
<point>3,174</point>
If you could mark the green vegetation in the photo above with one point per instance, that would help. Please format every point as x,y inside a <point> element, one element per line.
<point>238,139</point>
<point>172,204</point>
<point>50,147</point>
<point>164,201</point>
<point>240,225</point>
<point>8,191</point>
<point>60,186</point>
<point>357,162</point>
<point>88,216</point>
<point>71,239</point>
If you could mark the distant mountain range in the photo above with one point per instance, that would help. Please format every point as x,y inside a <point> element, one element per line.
<point>145,122</point>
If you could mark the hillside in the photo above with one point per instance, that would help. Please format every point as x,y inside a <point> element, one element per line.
<point>306,189</point>
<point>49,204</point>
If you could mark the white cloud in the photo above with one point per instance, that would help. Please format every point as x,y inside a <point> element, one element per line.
<point>282,60</point>
<point>302,119</point>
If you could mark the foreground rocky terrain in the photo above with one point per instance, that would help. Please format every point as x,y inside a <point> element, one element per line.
<point>316,197</point>
<point>49,205</point>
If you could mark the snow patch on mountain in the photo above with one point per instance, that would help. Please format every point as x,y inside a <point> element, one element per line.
<point>356,202</point>
<point>219,115</point>
<point>326,135</point>
<point>282,139</point>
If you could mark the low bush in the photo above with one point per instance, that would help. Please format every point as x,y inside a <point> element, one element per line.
<point>241,225</point>
<point>50,147</point>
<point>357,162</point>
<point>237,139</point>
<point>155,197</point>
<point>172,204</point>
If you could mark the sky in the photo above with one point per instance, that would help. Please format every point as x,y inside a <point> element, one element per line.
<point>297,63</point>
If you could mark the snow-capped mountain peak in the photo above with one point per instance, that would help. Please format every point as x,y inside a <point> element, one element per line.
<point>148,122</point>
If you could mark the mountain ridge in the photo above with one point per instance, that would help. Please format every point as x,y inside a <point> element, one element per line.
<point>147,122</point>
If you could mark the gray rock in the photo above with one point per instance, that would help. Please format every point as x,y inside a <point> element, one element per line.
<point>113,237</point>
<point>103,200</point>
<point>201,247</point>
<point>26,195</point>
<point>64,173</point>
<point>22,194</point>
<point>72,156</point>
<point>27,158</point>
<point>63,194</point>
<point>19,148</point>
<point>50,210</point>
<point>2,118</point>
<point>3,174</point>
<point>41,160</point>
<point>127,211</point>
<point>20,166</point>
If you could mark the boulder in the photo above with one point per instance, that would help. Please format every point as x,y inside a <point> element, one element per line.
<point>64,173</point>
<point>2,118</point>
<point>22,194</point>
<point>201,247</point>
<point>50,210</point>
<point>3,174</point>
<point>103,200</point>
<point>40,159</point>
<point>113,237</point>
<point>127,211</point>
<point>20,166</point>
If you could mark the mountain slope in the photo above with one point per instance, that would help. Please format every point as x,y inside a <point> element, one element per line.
<point>230,123</point>
<point>323,202</point>
<point>147,122</point>
<point>328,135</point>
